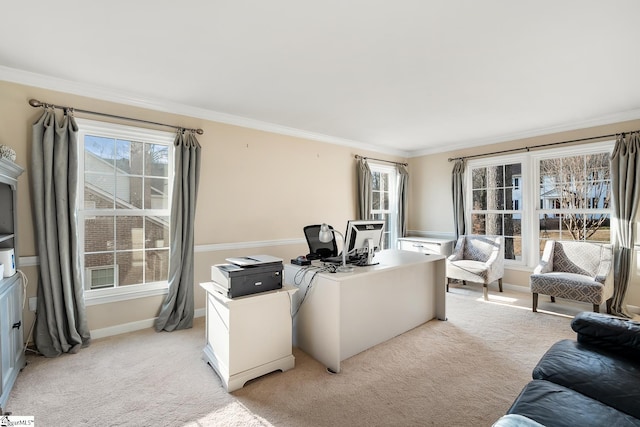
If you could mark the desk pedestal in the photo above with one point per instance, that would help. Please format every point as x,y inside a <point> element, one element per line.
<point>248,337</point>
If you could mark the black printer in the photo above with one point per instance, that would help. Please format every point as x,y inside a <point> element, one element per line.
<point>247,275</point>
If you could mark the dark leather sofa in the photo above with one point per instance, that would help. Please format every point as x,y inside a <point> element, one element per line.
<point>594,381</point>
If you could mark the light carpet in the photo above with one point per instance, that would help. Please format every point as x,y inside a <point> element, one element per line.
<point>465,371</point>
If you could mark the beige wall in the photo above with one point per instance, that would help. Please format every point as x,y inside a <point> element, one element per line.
<point>430,192</point>
<point>255,186</point>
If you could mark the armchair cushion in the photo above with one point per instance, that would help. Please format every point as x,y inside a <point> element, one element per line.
<point>568,285</point>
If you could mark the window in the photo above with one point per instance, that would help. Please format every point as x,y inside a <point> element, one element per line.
<point>574,197</point>
<point>495,209</point>
<point>562,194</point>
<point>124,191</point>
<point>383,201</point>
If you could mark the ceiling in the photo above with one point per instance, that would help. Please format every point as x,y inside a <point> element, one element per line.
<point>405,77</point>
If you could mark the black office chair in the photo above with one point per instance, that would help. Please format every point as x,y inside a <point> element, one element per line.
<point>318,249</point>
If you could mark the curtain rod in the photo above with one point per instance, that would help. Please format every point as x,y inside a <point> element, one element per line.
<point>538,146</point>
<point>35,103</point>
<point>380,160</point>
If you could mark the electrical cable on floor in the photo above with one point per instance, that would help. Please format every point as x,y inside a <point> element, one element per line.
<point>26,344</point>
<point>24,301</point>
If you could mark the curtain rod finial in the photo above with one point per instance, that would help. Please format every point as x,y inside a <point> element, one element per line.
<point>35,103</point>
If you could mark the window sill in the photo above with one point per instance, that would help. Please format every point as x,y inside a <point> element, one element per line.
<point>123,294</point>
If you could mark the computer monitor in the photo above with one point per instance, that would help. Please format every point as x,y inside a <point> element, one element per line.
<point>362,232</point>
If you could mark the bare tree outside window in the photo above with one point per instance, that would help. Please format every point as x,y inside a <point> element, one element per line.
<point>575,197</point>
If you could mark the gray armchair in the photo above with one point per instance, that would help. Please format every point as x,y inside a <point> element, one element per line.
<point>478,259</point>
<point>575,270</point>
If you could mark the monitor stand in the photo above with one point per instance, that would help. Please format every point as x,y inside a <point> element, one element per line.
<point>369,250</point>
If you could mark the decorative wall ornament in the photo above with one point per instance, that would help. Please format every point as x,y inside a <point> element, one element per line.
<point>7,152</point>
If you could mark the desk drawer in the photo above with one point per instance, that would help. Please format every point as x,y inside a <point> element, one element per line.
<point>422,247</point>
<point>425,246</point>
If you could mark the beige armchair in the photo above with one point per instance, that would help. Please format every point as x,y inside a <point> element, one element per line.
<point>575,270</point>
<point>478,259</point>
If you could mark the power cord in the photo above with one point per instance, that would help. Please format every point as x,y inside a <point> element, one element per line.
<point>24,287</point>
<point>300,278</point>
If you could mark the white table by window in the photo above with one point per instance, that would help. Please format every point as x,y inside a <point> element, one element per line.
<point>346,313</point>
<point>247,337</point>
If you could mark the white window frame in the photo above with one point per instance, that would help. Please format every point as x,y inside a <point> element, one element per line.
<point>530,189</point>
<point>393,200</point>
<point>129,133</point>
<point>581,150</point>
<point>525,195</point>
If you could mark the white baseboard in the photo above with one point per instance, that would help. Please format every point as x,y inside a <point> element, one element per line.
<point>132,326</point>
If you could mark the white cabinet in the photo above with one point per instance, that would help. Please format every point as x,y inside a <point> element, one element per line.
<point>427,245</point>
<point>248,336</point>
<point>12,358</point>
<point>11,350</point>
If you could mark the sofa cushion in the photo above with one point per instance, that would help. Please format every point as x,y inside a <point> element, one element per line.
<point>515,420</point>
<point>551,404</point>
<point>597,373</point>
<point>608,331</point>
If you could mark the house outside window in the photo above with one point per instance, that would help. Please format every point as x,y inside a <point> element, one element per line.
<point>384,201</point>
<point>124,217</point>
<point>529,198</point>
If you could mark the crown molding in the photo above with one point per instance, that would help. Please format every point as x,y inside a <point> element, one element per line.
<point>106,94</point>
<point>576,125</point>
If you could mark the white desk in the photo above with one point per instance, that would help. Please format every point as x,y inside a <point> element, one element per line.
<point>346,313</point>
<point>248,336</point>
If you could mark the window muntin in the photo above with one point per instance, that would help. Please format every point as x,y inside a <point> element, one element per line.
<point>383,201</point>
<point>496,201</point>
<point>124,181</point>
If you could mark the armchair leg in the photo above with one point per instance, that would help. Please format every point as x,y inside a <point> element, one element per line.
<point>553,299</point>
<point>464,283</point>
<point>596,308</point>
<point>609,303</point>
<point>535,303</point>
<point>500,284</point>
<point>485,292</point>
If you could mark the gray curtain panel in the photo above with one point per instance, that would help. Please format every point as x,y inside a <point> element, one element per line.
<point>625,191</point>
<point>363,173</point>
<point>61,325</point>
<point>178,307</point>
<point>403,182</point>
<point>457,192</point>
